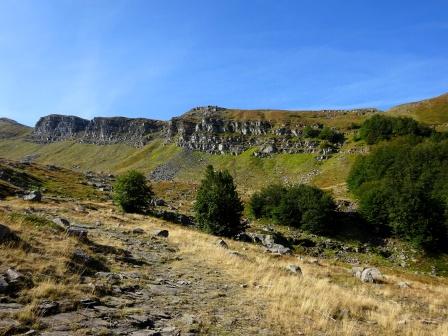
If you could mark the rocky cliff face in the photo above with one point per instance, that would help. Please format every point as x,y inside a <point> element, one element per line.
<point>100,131</point>
<point>209,129</point>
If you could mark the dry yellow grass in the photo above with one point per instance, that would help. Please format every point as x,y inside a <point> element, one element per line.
<point>326,300</point>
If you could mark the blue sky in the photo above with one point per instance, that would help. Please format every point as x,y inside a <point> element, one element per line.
<point>157,59</point>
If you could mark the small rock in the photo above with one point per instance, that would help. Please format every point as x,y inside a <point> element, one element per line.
<point>403,284</point>
<point>142,321</point>
<point>61,222</point>
<point>189,319</point>
<point>222,243</point>
<point>13,275</point>
<point>294,269</point>
<point>138,231</point>
<point>161,233</point>
<point>48,308</point>
<point>89,303</point>
<point>77,232</point>
<point>4,286</point>
<point>34,196</point>
<point>278,249</point>
<point>80,208</point>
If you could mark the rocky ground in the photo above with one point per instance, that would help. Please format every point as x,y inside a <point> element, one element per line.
<point>144,285</point>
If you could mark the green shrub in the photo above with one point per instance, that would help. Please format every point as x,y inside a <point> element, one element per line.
<point>132,192</point>
<point>218,207</point>
<point>299,206</point>
<point>381,127</point>
<point>263,204</point>
<point>331,135</point>
<point>311,132</point>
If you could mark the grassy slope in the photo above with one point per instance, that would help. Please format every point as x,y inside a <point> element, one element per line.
<point>250,172</point>
<point>339,119</point>
<point>10,129</point>
<point>432,111</point>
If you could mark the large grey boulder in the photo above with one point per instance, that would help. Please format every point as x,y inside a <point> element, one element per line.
<point>368,274</point>
<point>372,275</point>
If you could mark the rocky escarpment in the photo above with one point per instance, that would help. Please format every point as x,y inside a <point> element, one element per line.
<point>100,131</point>
<point>211,129</point>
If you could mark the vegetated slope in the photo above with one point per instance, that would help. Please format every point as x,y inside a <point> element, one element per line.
<point>249,171</point>
<point>342,119</point>
<point>16,178</point>
<point>12,129</point>
<point>433,111</point>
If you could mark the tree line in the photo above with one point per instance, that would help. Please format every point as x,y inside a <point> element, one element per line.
<point>401,187</point>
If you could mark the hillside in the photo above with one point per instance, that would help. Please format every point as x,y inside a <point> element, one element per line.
<point>12,129</point>
<point>433,111</point>
<point>256,146</point>
<point>125,276</point>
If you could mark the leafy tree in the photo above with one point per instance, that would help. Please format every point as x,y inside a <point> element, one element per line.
<point>264,204</point>
<point>218,207</point>
<point>381,127</point>
<point>402,189</point>
<point>132,193</point>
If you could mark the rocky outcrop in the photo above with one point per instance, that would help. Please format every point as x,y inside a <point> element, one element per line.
<point>210,129</point>
<point>99,131</point>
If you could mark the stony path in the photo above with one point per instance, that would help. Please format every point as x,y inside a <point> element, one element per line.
<point>152,289</point>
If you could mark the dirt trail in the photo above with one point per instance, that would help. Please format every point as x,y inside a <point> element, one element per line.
<point>151,287</point>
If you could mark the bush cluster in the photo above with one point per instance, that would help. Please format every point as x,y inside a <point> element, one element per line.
<point>402,187</point>
<point>325,133</point>
<point>300,206</point>
<point>380,127</point>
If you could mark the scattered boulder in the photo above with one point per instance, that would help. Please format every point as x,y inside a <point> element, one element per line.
<point>161,233</point>
<point>33,196</point>
<point>294,269</point>
<point>222,243</point>
<point>7,235</point>
<point>61,222</point>
<point>372,275</point>
<point>81,262</point>
<point>244,237</point>
<point>16,280</point>
<point>368,274</point>
<point>158,202</point>
<point>4,286</point>
<point>278,249</point>
<point>77,232</point>
<point>403,284</point>
<point>138,231</point>
<point>47,308</point>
